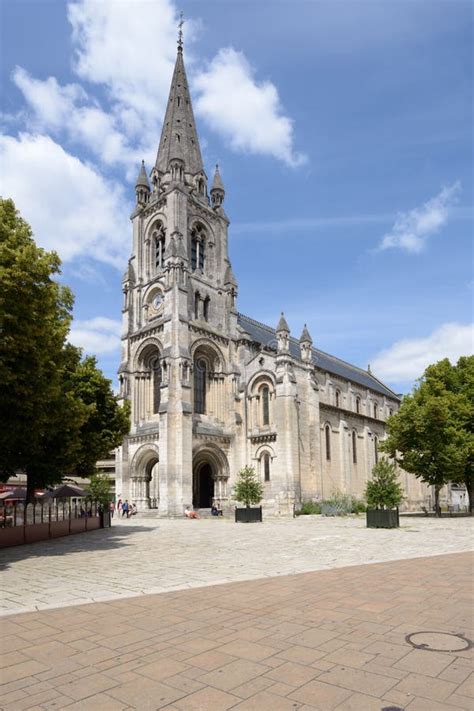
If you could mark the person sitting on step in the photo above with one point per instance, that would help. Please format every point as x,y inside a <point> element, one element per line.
<point>189,513</point>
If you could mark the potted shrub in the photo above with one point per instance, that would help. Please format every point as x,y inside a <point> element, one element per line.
<point>248,490</point>
<point>384,495</point>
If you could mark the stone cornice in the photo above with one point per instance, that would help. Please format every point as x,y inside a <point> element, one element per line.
<point>343,411</point>
<point>264,437</point>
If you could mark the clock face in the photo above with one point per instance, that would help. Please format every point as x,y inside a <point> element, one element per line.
<point>157,301</point>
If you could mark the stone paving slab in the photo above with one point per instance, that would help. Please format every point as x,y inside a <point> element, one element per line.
<point>333,639</point>
<point>144,556</point>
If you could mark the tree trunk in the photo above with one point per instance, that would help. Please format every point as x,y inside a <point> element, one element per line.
<point>30,488</point>
<point>437,506</point>
<point>469,482</point>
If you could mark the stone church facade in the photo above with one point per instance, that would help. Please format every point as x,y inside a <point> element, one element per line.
<point>212,390</point>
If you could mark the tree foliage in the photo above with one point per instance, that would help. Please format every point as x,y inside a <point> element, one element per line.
<point>383,491</point>
<point>432,433</point>
<point>58,414</point>
<point>248,489</point>
<point>99,490</point>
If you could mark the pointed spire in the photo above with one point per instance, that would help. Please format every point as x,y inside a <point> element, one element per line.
<point>282,324</point>
<point>217,183</point>
<point>229,277</point>
<point>179,139</point>
<point>142,186</point>
<point>142,180</point>
<point>305,335</point>
<point>217,190</point>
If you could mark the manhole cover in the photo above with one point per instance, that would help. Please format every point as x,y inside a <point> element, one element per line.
<point>439,641</point>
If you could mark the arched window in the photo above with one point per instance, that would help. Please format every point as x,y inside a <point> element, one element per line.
<point>338,398</point>
<point>390,412</point>
<point>200,378</point>
<point>265,405</point>
<point>376,410</point>
<point>156,375</point>
<point>376,449</point>
<point>327,434</point>
<point>354,446</point>
<point>159,246</point>
<point>197,299</point>
<point>197,248</point>
<point>358,405</point>
<point>266,466</point>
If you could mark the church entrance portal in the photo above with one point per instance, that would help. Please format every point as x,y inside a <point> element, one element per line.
<point>203,486</point>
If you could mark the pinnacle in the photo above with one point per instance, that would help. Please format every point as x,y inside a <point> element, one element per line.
<point>282,324</point>
<point>305,335</point>
<point>142,179</point>
<point>217,183</point>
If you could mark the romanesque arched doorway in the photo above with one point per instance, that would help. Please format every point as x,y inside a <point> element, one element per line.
<point>210,476</point>
<point>203,486</point>
<point>144,483</point>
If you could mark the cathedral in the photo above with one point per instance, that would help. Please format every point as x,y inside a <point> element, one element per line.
<point>212,390</point>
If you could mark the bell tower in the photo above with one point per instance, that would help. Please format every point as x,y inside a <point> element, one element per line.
<point>179,280</point>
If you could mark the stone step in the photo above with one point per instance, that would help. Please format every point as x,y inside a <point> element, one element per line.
<point>203,513</point>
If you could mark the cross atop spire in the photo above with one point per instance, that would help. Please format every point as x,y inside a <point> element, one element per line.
<point>180,31</point>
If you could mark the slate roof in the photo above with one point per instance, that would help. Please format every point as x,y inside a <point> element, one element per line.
<point>260,333</point>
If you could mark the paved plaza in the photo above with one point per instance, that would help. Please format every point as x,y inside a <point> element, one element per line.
<point>143,556</point>
<point>334,639</point>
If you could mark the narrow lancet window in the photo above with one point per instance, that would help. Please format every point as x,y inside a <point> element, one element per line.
<point>354,447</point>
<point>265,405</point>
<point>156,375</point>
<point>266,467</point>
<point>200,373</point>
<point>327,431</point>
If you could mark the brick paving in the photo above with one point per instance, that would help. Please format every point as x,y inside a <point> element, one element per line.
<point>332,639</point>
<point>143,556</point>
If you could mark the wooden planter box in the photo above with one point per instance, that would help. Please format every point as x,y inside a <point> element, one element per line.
<point>383,518</point>
<point>248,515</point>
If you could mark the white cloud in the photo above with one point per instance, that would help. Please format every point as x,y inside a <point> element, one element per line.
<point>69,110</point>
<point>412,229</point>
<point>243,111</point>
<point>130,48</point>
<point>96,336</point>
<point>407,359</point>
<point>70,206</point>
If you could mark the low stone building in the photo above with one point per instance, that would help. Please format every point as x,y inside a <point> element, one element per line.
<point>212,390</point>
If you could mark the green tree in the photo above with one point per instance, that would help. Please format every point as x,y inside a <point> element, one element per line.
<point>99,490</point>
<point>248,489</point>
<point>383,491</point>
<point>35,315</point>
<point>432,433</point>
<point>58,414</point>
<point>106,422</point>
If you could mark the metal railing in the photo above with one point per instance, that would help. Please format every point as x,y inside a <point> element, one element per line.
<point>20,514</point>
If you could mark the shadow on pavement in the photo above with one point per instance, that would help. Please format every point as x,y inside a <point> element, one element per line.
<point>102,539</point>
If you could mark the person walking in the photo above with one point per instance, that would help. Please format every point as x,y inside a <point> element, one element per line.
<point>119,508</point>
<point>125,508</point>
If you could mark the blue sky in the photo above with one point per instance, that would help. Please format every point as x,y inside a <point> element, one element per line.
<point>343,131</point>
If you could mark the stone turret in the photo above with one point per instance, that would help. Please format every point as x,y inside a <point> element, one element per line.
<point>217,190</point>
<point>306,343</point>
<point>142,186</point>
<point>283,335</point>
